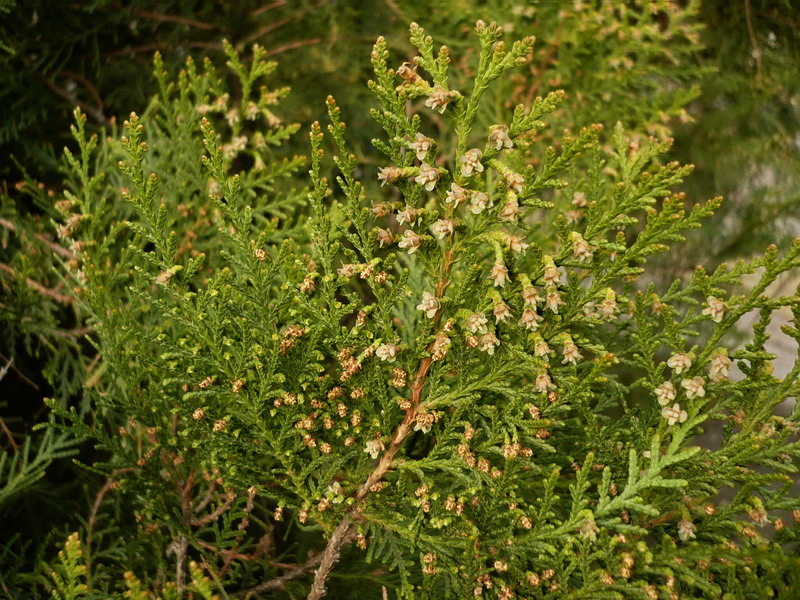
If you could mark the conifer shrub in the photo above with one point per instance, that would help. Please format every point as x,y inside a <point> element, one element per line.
<point>443,375</point>
<point>39,311</point>
<point>43,313</point>
<point>615,62</point>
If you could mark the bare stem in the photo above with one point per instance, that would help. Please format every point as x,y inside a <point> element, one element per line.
<point>180,546</point>
<point>57,248</point>
<point>753,39</point>
<point>211,517</point>
<point>62,298</point>
<point>5,369</point>
<point>98,501</point>
<point>293,45</point>
<point>328,559</point>
<point>331,553</point>
<point>9,435</point>
<point>296,573</point>
<point>96,114</point>
<point>173,18</point>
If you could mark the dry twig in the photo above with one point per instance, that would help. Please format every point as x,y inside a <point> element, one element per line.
<point>753,40</point>
<point>58,249</point>
<point>62,298</point>
<point>174,19</point>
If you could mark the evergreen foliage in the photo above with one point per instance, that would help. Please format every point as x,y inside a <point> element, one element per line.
<point>446,369</point>
<point>20,470</point>
<point>461,373</point>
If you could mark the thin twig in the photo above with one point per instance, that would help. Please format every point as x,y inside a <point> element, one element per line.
<point>95,374</point>
<point>90,367</point>
<point>57,248</point>
<point>266,542</point>
<point>662,519</point>
<point>753,40</point>
<point>279,582</point>
<point>258,34</point>
<point>21,374</point>
<point>207,499</point>
<point>296,573</point>
<point>39,287</point>
<point>5,369</point>
<point>546,60</point>
<point>779,19</point>
<point>396,10</point>
<point>73,99</point>
<point>211,517</point>
<point>88,85</point>
<point>98,500</point>
<point>293,45</point>
<point>174,19</point>
<point>227,552</point>
<point>267,7</point>
<point>186,497</point>
<point>71,334</point>
<point>149,48</point>
<point>8,435</point>
<point>3,426</point>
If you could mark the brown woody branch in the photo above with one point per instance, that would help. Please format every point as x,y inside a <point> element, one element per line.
<point>98,501</point>
<point>256,35</point>
<point>71,334</point>
<point>149,48</point>
<point>89,87</point>
<point>19,373</point>
<point>96,114</point>
<point>58,249</point>
<point>10,437</point>
<point>62,298</point>
<point>753,39</point>
<point>337,539</point>
<point>213,516</point>
<point>173,19</point>
<point>3,426</point>
<point>295,573</point>
<point>293,45</point>
<point>661,520</point>
<point>268,7</point>
<point>5,369</point>
<point>206,499</point>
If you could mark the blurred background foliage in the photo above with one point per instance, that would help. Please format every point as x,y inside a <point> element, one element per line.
<point>745,133</point>
<point>722,77</point>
